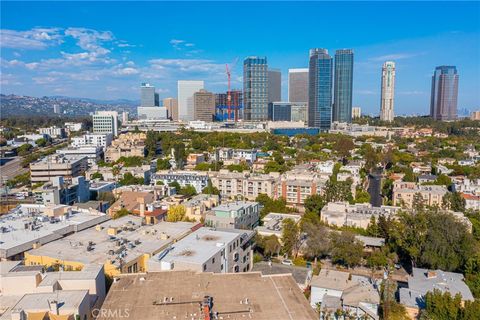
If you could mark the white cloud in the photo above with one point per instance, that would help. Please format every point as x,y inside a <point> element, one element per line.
<point>8,79</point>
<point>126,71</point>
<point>394,56</point>
<point>90,40</point>
<point>34,39</point>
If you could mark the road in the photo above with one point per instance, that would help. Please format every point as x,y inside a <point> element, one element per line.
<point>11,169</point>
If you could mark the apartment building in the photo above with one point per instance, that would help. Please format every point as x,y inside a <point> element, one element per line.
<point>92,139</point>
<point>53,132</point>
<point>245,184</point>
<point>234,215</point>
<point>57,165</point>
<point>93,153</point>
<point>404,194</point>
<point>297,185</point>
<point>57,191</point>
<point>197,179</point>
<point>208,250</point>
<point>126,145</point>
<point>225,154</point>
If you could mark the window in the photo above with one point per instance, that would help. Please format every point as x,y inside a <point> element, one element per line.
<point>213,260</point>
<point>204,267</point>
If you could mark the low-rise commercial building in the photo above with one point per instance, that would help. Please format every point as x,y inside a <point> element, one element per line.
<point>31,225</point>
<point>127,145</point>
<point>57,165</point>
<point>92,153</point>
<point>167,295</point>
<point>244,184</point>
<point>53,132</point>
<point>208,250</point>
<point>123,245</point>
<point>234,215</point>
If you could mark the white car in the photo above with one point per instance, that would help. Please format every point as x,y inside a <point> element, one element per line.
<point>287,262</point>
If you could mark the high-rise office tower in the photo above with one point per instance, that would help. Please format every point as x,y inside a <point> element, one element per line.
<point>298,85</point>
<point>320,72</point>
<point>186,89</point>
<point>255,88</point>
<point>443,103</point>
<point>388,91</point>
<point>274,85</point>
<point>147,95</point>
<point>172,108</point>
<point>203,105</point>
<point>342,98</point>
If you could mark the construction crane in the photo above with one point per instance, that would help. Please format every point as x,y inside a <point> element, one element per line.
<point>229,97</point>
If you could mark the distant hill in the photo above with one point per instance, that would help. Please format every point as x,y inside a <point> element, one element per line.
<point>15,105</point>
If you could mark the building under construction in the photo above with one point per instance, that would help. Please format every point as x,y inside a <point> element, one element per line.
<point>236,106</point>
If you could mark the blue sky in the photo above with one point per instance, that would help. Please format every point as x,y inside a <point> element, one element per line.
<point>106,49</point>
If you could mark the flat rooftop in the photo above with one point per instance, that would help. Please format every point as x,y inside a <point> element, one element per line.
<point>131,241</point>
<point>23,227</point>
<point>68,301</point>
<point>234,206</point>
<point>198,247</point>
<point>235,296</point>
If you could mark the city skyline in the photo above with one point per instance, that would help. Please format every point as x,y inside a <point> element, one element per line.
<point>79,55</point>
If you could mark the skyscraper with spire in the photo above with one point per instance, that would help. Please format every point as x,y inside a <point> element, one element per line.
<point>388,91</point>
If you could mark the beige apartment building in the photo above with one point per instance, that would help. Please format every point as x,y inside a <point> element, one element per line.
<point>295,186</point>
<point>58,165</point>
<point>245,184</point>
<point>127,145</point>
<point>404,193</point>
<point>203,105</point>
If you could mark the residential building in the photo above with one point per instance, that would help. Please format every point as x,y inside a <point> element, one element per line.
<point>388,91</point>
<point>122,245</point>
<point>144,171</point>
<point>297,185</point>
<point>298,85</point>
<point>274,85</point>
<point>57,191</point>
<point>105,122</point>
<point>422,281</point>
<point>186,90</point>
<point>234,215</point>
<point>197,206</point>
<point>53,132</point>
<point>92,139</point>
<point>342,104</point>
<point>208,250</point>
<point>320,77</point>
<point>32,225</point>
<point>231,295</point>
<point>56,165</point>
<point>244,184</point>
<point>356,112</point>
<point>203,106</point>
<point>299,112</point>
<point>404,194</point>
<point>443,103</point>
<point>225,154</point>
<point>152,113</point>
<point>195,158</point>
<point>338,290</point>
<point>255,88</point>
<point>273,224</point>
<point>197,179</point>
<point>126,145</point>
<point>147,95</point>
<point>357,215</point>
<point>28,292</point>
<point>92,153</point>
<point>172,108</point>
<point>466,185</point>
<point>471,201</point>
<point>280,111</point>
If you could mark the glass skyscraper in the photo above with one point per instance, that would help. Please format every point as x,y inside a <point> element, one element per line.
<point>342,100</point>
<point>147,95</point>
<point>320,89</point>
<point>255,88</point>
<point>443,102</point>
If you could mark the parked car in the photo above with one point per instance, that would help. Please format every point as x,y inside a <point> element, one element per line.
<point>287,262</point>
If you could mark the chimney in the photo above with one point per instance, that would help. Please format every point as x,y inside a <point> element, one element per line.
<point>141,201</point>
